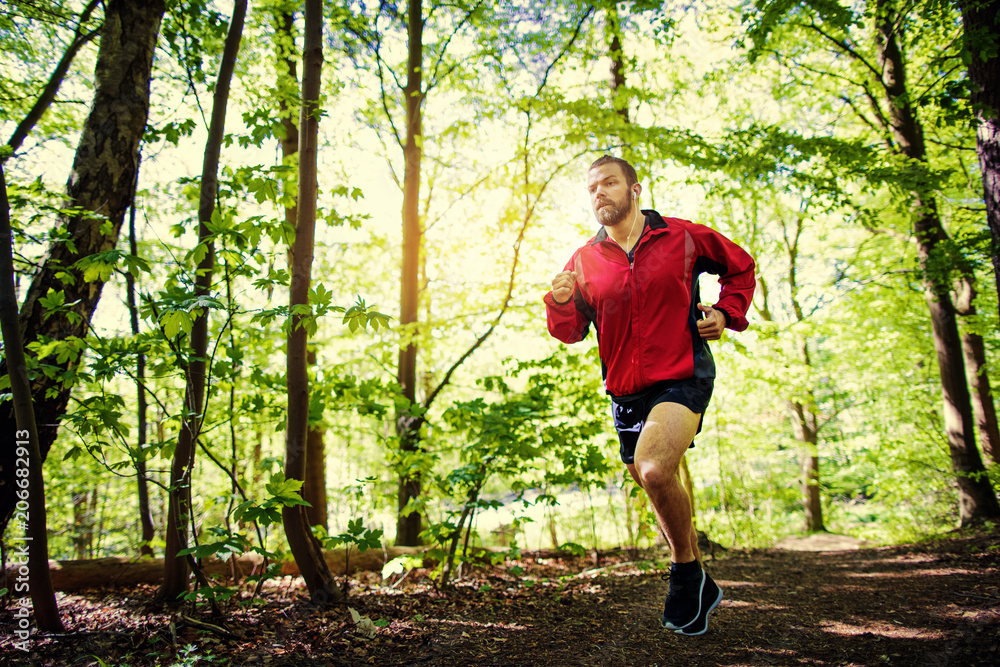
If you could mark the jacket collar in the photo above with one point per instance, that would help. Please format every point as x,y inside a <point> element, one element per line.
<point>653,221</point>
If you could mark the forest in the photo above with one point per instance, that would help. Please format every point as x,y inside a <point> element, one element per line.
<point>277,386</point>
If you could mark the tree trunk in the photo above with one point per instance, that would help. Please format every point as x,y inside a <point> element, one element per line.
<point>148,532</point>
<point>976,370</point>
<point>983,409</point>
<point>287,85</point>
<point>977,501</point>
<point>28,490</point>
<point>409,520</point>
<point>175,573</point>
<point>314,488</point>
<point>807,433</point>
<point>303,544</point>
<point>100,189</point>
<point>84,504</point>
<point>619,97</point>
<point>982,36</point>
<point>805,424</point>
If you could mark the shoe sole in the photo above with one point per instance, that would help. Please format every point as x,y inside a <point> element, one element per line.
<point>677,628</point>
<point>694,628</point>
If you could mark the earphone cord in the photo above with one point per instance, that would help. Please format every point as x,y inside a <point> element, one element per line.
<point>632,228</point>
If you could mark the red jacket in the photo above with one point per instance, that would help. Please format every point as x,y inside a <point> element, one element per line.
<point>645,311</point>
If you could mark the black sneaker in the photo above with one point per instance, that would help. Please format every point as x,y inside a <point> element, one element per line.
<point>711,596</point>
<point>683,603</point>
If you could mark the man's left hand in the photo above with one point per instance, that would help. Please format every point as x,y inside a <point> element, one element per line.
<point>713,325</point>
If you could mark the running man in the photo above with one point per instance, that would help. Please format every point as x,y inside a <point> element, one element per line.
<point>637,283</point>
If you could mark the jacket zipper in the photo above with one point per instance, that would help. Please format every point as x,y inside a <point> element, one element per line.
<point>637,349</point>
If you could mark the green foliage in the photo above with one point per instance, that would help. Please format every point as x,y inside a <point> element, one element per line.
<point>189,655</point>
<point>356,535</point>
<point>54,302</point>
<point>225,545</point>
<point>516,439</point>
<point>194,32</point>
<point>171,132</point>
<point>358,316</point>
<point>283,493</point>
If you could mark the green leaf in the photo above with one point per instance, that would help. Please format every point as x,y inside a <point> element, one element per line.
<point>198,253</point>
<point>285,491</point>
<point>175,322</point>
<point>53,299</point>
<point>263,189</point>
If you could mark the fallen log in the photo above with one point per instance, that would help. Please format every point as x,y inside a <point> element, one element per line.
<point>118,571</point>
<point>70,576</point>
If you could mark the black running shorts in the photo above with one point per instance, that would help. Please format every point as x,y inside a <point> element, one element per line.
<point>630,412</point>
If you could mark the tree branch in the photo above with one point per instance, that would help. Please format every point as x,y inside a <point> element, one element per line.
<point>845,48</point>
<point>48,95</point>
<point>433,79</point>
<point>569,44</point>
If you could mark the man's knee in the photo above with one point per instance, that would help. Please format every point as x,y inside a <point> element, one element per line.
<point>656,472</point>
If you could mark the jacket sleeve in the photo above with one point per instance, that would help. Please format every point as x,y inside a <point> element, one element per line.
<point>565,320</point>
<point>735,269</point>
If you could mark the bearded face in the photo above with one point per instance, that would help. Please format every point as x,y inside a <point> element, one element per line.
<point>610,212</point>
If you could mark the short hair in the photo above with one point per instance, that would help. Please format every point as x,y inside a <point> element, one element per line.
<point>630,176</point>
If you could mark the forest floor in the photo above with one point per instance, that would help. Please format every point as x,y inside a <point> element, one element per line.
<point>934,603</point>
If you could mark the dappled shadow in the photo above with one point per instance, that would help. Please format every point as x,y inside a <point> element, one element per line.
<point>865,607</point>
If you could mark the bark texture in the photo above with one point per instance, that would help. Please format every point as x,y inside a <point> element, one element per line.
<point>314,486</point>
<point>100,189</point>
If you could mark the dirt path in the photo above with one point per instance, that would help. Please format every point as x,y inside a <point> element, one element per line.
<point>936,604</point>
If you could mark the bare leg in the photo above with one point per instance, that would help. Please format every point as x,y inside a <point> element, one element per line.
<point>665,437</point>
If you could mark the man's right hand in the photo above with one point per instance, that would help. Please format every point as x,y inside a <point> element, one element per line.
<point>563,286</point>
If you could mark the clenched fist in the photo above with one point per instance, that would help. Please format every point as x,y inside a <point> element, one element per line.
<point>563,286</point>
<point>714,323</point>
